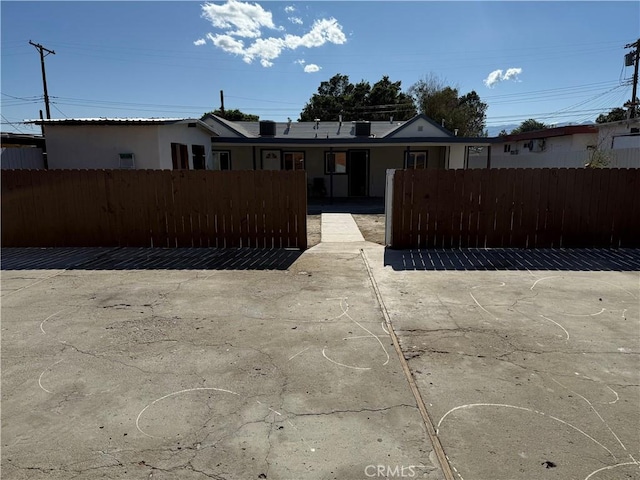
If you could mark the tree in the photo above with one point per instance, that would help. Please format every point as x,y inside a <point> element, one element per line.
<point>530,125</point>
<point>233,115</point>
<point>615,115</point>
<point>442,103</point>
<point>338,96</point>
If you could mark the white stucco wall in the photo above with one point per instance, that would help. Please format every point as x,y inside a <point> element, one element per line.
<point>181,133</point>
<point>98,146</point>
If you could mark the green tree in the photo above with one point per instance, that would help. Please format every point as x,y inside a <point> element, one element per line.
<point>530,125</point>
<point>442,103</point>
<point>338,96</point>
<point>233,115</point>
<point>615,115</point>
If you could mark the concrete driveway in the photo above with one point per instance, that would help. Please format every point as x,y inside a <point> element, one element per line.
<point>528,362</point>
<point>189,364</point>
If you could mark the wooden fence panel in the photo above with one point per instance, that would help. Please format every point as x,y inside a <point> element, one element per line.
<point>516,208</point>
<point>160,208</point>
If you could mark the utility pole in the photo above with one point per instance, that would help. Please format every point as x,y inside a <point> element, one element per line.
<point>222,102</point>
<point>635,58</point>
<point>41,50</point>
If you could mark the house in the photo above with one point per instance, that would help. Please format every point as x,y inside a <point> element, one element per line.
<point>617,144</point>
<point>350,158</point>
<point>22,151</point>
<point>141,143</point>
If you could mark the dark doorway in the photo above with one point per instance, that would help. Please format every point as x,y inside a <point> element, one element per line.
<point>358,172</point>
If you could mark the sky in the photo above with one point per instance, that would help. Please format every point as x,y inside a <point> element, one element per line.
<point>555,62</point>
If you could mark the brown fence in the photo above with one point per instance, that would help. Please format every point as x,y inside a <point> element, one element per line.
<point>154,208</point>
<point>519,208</point>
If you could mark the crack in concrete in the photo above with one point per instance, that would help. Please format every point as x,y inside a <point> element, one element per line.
<point>103,357</point>
<point>361,410</point>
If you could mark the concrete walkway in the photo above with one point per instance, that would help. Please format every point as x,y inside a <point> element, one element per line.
<point>339,227</point>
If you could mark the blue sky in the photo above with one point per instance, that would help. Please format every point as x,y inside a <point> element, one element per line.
<point>552,61</point>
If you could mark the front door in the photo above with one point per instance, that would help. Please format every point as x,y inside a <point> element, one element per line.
<point>358,173</point>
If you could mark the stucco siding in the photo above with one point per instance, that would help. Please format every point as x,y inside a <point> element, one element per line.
<point>98,146</point>
<point>185,135</point>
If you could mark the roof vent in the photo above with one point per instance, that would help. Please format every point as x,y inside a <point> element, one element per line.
<point>267,128</point>
<point>363,129</point>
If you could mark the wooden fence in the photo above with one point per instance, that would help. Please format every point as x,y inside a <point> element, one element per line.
<point>519,208</point>
<point>154,208</point>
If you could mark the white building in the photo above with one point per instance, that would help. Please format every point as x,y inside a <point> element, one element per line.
<point>141,143</point>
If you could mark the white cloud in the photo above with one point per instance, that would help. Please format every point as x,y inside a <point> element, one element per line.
<point>300,62</point>
<point>290,9</point>
<point>512,73</point>
<point>296,20</point>
<point>227,43</point>
<point>498,76</point>
<point>312,68</point>
<point>247,20</point>
<point>200,41</point>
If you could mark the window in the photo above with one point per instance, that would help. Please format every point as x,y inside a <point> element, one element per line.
<point>198,157</point>
<point>220,160</point>
<point>417,160</point>
<point>507,148</point>
<point>293,160</point>
<point>336,159</point>
<point>179,156</point>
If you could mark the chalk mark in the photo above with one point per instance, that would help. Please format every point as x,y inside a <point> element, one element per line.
<point>615,393</point>
<point>472,405</point>
<point>342,364</point>
<point>610,467</point>
<point>301,351</point>
<point>563,329</point>
<point>45,371</point>
<point>51,316</point>
<point>478,303</point>
<point>541,279</point>
<point>34,283</point>
<point>583,314</point>
<point>302,438</point>
<point>171,395</point>
<point>594,411</point>
<point>384,328</point>
<point>345,312</point>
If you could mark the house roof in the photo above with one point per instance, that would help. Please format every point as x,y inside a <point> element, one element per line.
<point>354,141</point>
<point>321,129</point>
<point>334,132</point>
<point>23,139</point>
<point>550,132</point>
<point>123,121</point>
<point>422,116</point>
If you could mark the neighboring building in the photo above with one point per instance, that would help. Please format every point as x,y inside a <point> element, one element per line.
<point>359,152</point>
<point>139,143</point>
<point>573,146</point>
<point>21,151</point>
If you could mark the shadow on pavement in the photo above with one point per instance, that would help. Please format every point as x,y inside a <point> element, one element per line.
<point>147,258</point>
<point>368,205</point>
<point>590,260</point>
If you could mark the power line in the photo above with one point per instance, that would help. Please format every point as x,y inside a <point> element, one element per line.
<point>11,123</point>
